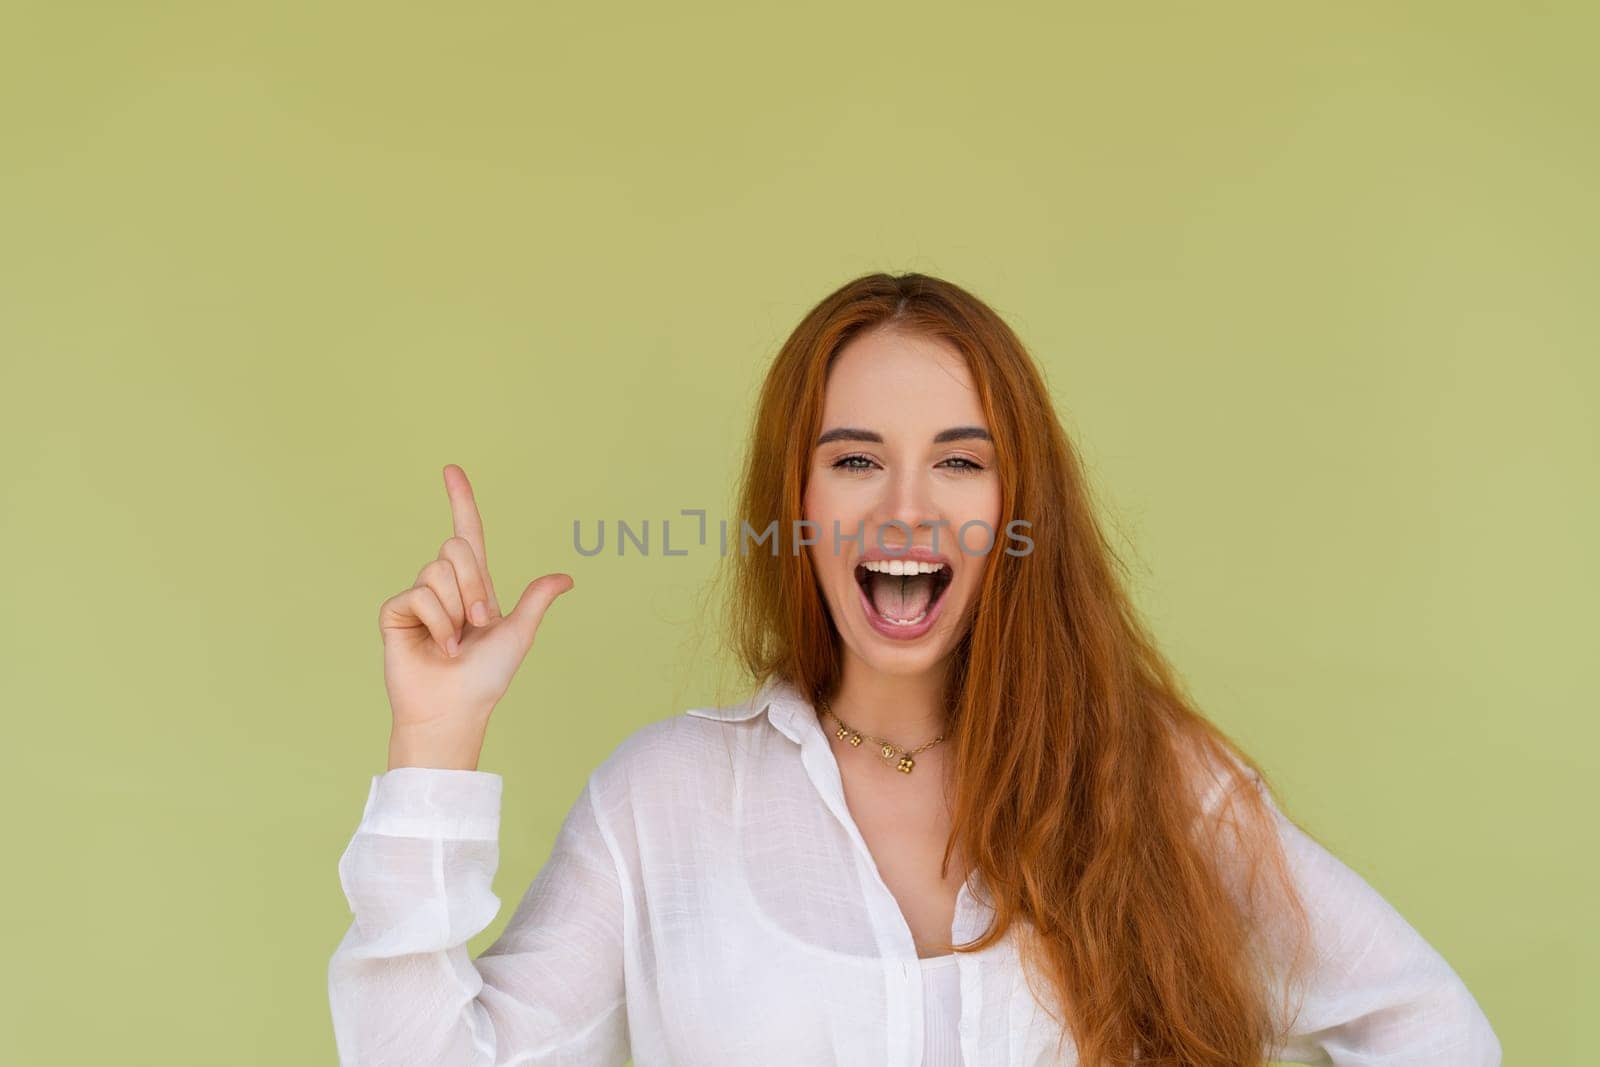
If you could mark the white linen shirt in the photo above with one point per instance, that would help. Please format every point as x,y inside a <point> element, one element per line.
<point>709,900</point>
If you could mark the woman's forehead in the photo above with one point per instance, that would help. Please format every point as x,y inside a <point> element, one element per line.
<point>900,380</point>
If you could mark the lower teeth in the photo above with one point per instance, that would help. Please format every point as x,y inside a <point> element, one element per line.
<point>904,622</point>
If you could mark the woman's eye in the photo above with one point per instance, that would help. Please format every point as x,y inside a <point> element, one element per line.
<point>861,463</point>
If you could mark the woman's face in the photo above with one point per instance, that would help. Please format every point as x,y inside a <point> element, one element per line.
<point>903,439</point>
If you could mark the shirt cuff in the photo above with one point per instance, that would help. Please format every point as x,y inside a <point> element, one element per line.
<point>434,802</point>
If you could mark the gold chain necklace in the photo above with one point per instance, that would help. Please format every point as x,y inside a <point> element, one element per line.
<point>890,752</point>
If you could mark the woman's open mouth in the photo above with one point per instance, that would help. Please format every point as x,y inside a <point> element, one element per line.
<point>902,597</point>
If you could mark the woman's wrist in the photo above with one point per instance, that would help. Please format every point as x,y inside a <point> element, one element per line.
<point>417,746</point>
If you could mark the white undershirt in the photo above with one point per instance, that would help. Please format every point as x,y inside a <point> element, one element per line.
<point>941,999</point>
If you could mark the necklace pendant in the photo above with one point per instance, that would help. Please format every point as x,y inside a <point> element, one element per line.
<point>906,763</point>
<point>888,751</point>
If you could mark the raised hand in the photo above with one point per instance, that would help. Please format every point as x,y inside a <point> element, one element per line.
<point>448,653</point>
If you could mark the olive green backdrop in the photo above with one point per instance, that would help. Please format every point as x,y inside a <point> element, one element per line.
<point>1313,289</point>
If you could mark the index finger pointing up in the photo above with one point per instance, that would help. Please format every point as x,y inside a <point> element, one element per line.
<point>469,524</point>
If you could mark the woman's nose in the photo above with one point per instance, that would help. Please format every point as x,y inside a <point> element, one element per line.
<point>909,501</point>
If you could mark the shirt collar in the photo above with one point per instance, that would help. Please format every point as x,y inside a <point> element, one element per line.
<point>792,715</point>
<point>788,711</point>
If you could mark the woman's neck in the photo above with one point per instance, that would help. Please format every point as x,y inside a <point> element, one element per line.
<point>907,709</point>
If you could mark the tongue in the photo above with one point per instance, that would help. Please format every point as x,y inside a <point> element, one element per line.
<point>901,597</point>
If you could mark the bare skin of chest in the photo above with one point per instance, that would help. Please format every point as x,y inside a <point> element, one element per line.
<point>905,821</point>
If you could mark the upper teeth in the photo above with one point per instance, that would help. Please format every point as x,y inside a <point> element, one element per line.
<point>902,566</point>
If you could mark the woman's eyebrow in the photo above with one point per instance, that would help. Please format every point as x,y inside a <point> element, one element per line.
<point>961,433</point>
<point>955,433</point>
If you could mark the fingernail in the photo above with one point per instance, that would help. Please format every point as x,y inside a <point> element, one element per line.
<point>480,614</point>
<point>450,646</point>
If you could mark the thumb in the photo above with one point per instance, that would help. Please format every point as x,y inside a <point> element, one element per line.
<point>524,619</point>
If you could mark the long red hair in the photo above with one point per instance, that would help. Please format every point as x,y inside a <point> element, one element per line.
<point>1115,827</point>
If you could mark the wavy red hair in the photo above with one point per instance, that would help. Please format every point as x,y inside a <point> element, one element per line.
<point>1117,829</point>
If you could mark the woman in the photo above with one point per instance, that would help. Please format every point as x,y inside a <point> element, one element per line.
<point>968,816</point>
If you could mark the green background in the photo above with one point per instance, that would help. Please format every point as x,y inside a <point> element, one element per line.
<point>1313,288</point>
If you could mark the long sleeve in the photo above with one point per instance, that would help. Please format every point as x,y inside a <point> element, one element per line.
<point>1378,993</point>
<point>417,876</point>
